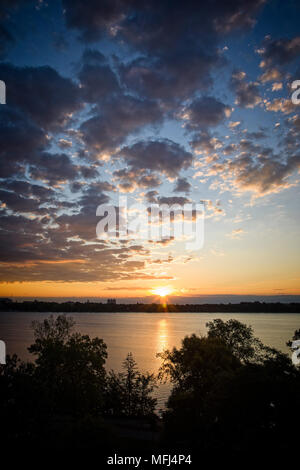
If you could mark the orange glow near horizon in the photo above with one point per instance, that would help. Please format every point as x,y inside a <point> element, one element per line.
<point>162,291</point>
<point>130,289</point>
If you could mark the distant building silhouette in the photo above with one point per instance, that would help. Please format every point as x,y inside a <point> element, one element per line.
<point>111,301</point>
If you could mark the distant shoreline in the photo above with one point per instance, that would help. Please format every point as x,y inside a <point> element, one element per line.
<point>98,307</point>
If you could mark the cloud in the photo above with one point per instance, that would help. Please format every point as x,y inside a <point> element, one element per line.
<point>203,142</point>
<point>161,25</point>
<point>279,51</point>
<point>182,186</point>
<point>97,80</point>
<point>234,124</point>
<point>118,117</point>
<point>46,97</point>
<point>95,18</point>
<point>236,233</point>
<point>259,174</point>
<point>30,253</point>
<point>21,139</point>
<point>52,168</point>
<point>170,200</point>
<point>163,156</point>
<point>64,143</point>
<point>171,62</point>
<point>18,203</point>
<point>271,75</point>
<point>163,78</point>
<point>247,94</point>
<point>129,180</point>
<point>229,149</point>
<point>205,112</point>
<point>151,197</point>
<point>277,86</point>
<point>283,105</point>
<point>162,60</point>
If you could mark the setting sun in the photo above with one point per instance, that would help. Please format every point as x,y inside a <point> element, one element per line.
<point>162,291</point>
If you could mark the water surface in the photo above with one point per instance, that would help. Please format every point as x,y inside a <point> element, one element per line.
<point>145,334</point>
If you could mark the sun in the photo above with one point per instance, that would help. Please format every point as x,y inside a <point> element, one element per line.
<point>162,291</point>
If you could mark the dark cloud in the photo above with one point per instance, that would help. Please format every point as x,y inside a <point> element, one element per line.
<point>163,24</point>
<point>46,97</point>
<point>204,142</point>
<point>163,156</point>
<point>247,93</point>
<point>17,203</point>
<point>20,140</point>
<point>205,112</point>
<point>93,195</point>
<point>182,186</point>
<point>261,174</point>
<point>31,252</point>
<point>169,37</point>
<point>52,168</point>
<point>171,78</point>
<point>89,202</point>
<point>280,51</point>
<point>151,197</point>
<point>89,172</point>
<point>97,80</point>
<point>173,200</point>
<point>229,149</point>
<point>94,19</point>
<point>117,118</point>
<point>261,134</point>
<point>26,189</point>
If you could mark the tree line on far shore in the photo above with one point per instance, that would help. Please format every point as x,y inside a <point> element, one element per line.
<point>70,306</point>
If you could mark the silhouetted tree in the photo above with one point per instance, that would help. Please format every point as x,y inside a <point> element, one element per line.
<point>194,370</point>
<point>129,392</point>
<point>70,366</point>
<point>49,401</point>
<point>241,340</point>
<point>231,393</point>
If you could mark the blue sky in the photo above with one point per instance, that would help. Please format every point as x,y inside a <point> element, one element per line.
<point>159,102</point>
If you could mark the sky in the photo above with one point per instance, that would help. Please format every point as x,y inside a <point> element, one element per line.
<point>159,103</point>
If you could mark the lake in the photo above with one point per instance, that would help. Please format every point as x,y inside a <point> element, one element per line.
<point>145,334</point>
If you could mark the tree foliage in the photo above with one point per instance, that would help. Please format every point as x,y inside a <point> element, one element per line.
<point>230,392</point>
<point>65,394</point>
<point>129,392</point>
<point>240,340</point>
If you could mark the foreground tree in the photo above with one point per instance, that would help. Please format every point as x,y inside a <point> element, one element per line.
<point>240,340</point>
<point>130,392</point>
<point>231,393</point>
<point>70,366</point>
<point>52,400</point>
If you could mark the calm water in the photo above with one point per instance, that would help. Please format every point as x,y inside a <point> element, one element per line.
<point>145,334</point>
